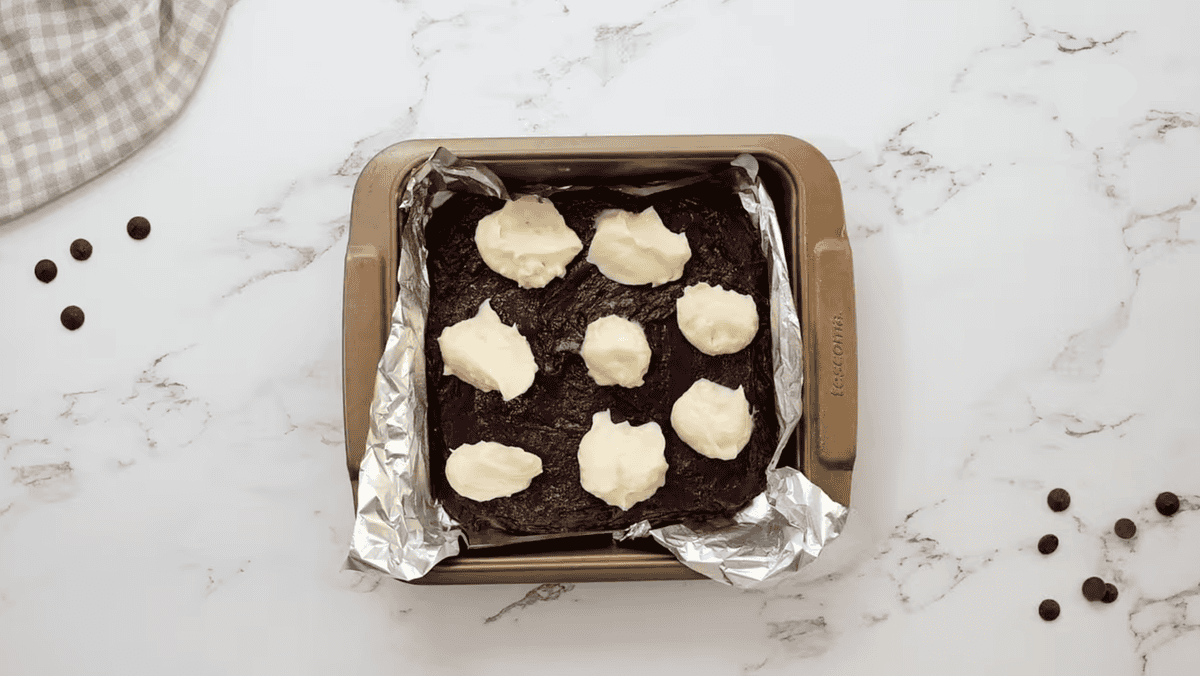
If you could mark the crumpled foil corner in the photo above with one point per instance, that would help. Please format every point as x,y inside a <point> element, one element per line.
<point>402,530</point>
<point>781,530</point>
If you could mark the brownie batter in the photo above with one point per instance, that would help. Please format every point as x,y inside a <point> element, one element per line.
<point>551,417</point>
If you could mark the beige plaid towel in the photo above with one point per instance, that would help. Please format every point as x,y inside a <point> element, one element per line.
<point>84,83</point>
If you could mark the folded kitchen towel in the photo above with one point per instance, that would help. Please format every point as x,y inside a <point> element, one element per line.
<point>85,83</point>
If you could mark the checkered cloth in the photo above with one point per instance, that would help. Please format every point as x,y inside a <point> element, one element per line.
<point>84,83</point>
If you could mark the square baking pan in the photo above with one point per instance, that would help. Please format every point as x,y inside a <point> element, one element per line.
<point>808,201</point>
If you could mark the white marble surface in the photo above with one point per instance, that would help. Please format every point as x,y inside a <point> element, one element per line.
<point>1021,186</point>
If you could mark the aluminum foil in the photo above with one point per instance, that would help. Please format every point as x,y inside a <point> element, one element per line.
<point>402,530</point>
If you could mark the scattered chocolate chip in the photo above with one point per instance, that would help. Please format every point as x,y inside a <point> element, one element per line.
<point>1125,529</point>
<point>1110,593</point>
<point>1058,499</point>
<point>46,271</point>
<point>81,249</point>
<point>1167,503</point>
<point>1049,610</point>
<point>71,317</point>
<point>138,227</point>
<point>1048,544</point>
<point>1093,589</point>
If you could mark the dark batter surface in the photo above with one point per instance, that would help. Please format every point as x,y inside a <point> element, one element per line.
<point>551,417</point>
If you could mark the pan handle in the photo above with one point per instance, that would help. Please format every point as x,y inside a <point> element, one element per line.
<point>362,344</point>
<point>836,354</point>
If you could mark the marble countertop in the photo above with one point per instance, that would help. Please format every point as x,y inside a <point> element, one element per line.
<point>1021,187</point>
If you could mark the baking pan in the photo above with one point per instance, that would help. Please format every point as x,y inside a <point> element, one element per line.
<point>808,201</point>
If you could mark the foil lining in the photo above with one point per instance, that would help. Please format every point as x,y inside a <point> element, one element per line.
<point>402,530</point>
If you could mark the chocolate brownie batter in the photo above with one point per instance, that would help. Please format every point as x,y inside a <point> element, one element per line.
<point>553,415</point>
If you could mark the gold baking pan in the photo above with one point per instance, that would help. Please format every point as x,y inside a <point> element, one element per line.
<point>808,200</point>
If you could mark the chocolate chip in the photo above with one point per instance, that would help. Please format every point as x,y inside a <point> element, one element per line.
<point>1110,593</point>
<point>1125,529</point>
<point>1049,610</point>
<point>71,317</point>
<point>138,227</point>
<point>81,249</point>
<point>1167,503</point>
<point>1093,589</point>
<point>1058,499</point>
<point>46,271</point>
<point>1048,544</point>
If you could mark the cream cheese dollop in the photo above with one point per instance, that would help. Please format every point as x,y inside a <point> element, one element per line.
<point>488,354</point>
<point>716,321</point>
<point>489,470</point>
<point>713,419</point>
<point>622,464</point>
<point>637,249</point>
<point>527,241</point>
<point>616,351</point>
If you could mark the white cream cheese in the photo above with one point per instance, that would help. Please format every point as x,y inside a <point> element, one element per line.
<point>713,419</point>
<point>616,351</point>
<point>637,248</point>
<point>488,354</point>
<point>622,464</point>
<point>716,321</point>
<point>488,470</point>
<point>527,241</point>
